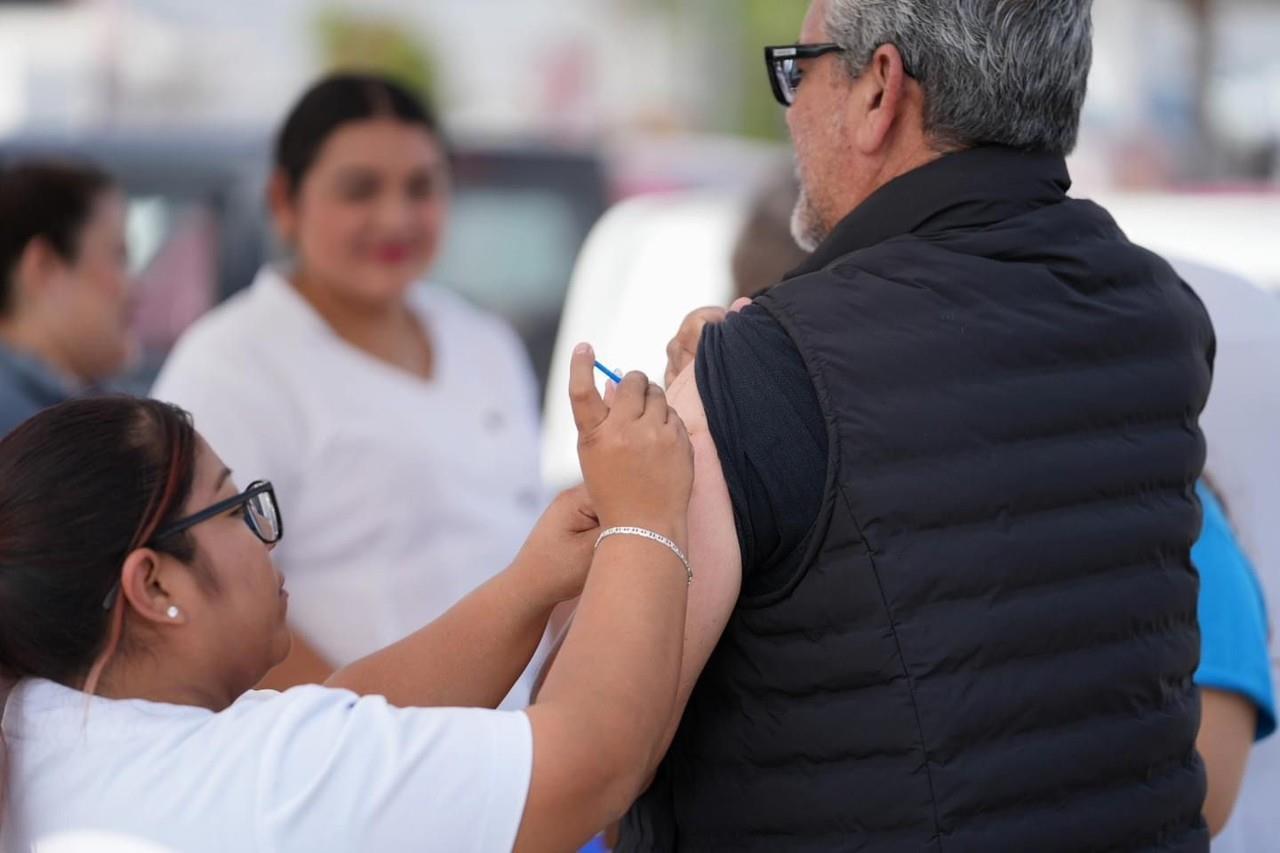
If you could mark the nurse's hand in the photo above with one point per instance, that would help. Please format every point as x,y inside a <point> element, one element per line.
<point>635,453</point>
<point>560,547</point>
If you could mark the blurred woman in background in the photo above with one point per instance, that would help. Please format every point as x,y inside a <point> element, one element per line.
<point>397,422</point>
<point>64,286</point>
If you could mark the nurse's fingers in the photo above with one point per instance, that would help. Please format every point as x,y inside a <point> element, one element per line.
<point>589,411</point>
<point>629,400</point>
<point>655,404</point>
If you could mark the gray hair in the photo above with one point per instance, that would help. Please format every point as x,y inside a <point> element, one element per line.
<point>1004,72</point>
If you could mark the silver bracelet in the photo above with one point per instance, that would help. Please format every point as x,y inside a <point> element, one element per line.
<point>655,537</point>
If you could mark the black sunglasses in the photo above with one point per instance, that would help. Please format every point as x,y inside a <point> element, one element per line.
<point>784,67</point>
<point>262,515</point>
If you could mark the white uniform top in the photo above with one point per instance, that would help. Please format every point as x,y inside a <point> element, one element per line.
<point>1242,428</point>
<point>311,769</point>
<point>399,496</point>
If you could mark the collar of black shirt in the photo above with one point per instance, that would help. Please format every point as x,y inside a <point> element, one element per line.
<point>967,189</point>
<point>30,377</point>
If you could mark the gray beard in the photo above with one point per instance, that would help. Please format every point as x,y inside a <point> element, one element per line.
<point>806,224</point>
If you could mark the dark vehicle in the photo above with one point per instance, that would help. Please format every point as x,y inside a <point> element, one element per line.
<point>198,226</point>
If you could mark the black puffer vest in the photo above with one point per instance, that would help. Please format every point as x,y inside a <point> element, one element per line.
<point>991,644</point>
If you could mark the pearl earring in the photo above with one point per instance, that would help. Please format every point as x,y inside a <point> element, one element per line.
<point>173,612</point>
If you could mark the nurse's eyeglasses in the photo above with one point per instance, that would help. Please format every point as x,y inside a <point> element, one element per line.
<point>260,512</point>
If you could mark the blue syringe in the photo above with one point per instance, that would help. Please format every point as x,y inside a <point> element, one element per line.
<point>617,380</point>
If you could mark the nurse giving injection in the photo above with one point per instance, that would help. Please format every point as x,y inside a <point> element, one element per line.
<point>139,606</point>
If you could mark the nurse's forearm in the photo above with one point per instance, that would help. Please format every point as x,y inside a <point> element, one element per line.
<point>600,717</point>
<point>469,657</point>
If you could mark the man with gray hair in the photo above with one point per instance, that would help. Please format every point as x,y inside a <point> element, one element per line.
<point>944,501</point>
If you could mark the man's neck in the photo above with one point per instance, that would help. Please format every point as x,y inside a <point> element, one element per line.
<point>22,338</point>
<point>890,169</point>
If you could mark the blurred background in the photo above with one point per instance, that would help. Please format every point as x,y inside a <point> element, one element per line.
<point>560,109</point>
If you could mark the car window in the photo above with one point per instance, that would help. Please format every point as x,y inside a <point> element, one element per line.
<point>510,250</point>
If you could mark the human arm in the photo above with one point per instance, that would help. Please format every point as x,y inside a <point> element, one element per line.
<point>761,451</point>
<point>1228,724</point>
<point>549,778</point>
<point>473,654</point>
<point>713,547</point>
<point>1237,702</point>
<point>605,706</point>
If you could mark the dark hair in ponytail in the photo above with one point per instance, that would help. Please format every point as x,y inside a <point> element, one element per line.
<point>81,486</point>
<point>44,200</point>
<point>337,100</point>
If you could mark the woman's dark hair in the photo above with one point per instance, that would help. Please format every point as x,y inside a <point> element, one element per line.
<point>337,100</point>
<point>44,200</point>
<point>81,486</point>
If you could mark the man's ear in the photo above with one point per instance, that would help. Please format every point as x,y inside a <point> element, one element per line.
<point>282,203</point>
<point>881,97</point>
<point>37,268</point>
<point>148,582</point>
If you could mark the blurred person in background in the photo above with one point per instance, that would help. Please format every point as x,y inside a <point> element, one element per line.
<point>765,249</point>
<point>1241,424</point>
<point>139,605</point>
<point>64,285</point>
<point>1236,693</point>
<point>398,422</point>
<point>951,457</point>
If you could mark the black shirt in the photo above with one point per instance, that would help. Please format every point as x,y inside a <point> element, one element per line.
<point>768,428</point>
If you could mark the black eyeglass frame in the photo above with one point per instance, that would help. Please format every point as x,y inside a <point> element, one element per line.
<point>776,55</point>
<point>258,487</point>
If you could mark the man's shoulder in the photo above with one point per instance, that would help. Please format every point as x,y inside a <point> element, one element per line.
<point>24,391</point>
<point>752,365</point>
<point>748,341</point>
<point>862,289</point>
<point>15,407</point>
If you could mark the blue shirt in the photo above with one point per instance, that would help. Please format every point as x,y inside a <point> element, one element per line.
<point>1233,617</point>
<point>27,386</point>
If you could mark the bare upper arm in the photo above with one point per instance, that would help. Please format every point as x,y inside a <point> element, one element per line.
<point>569,796</point>
<point>1228,723</point>
<point>713,541</point>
